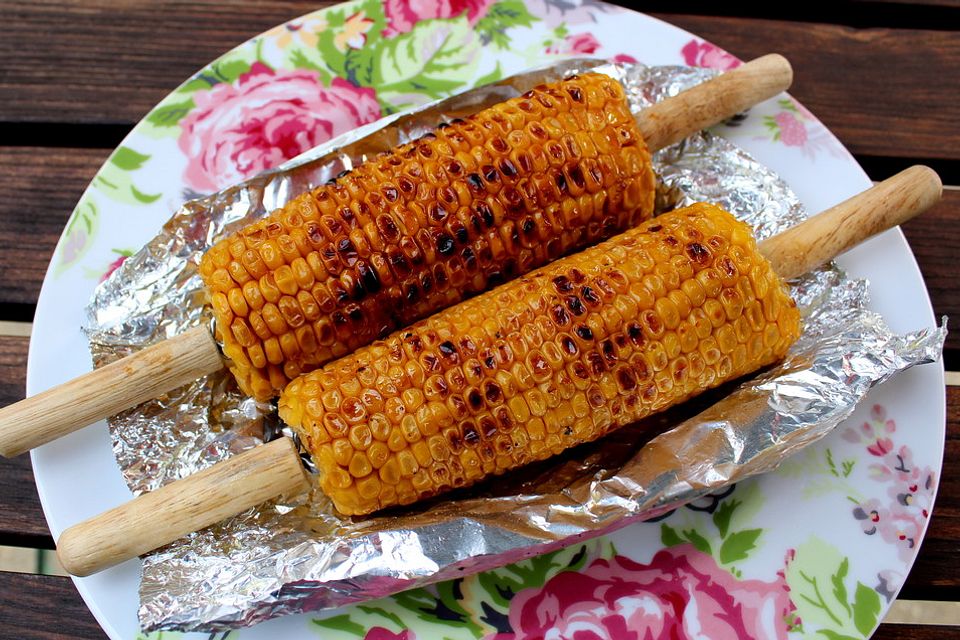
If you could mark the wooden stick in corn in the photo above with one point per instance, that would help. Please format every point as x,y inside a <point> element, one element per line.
<point>412,231</point>
<point>559,357</point>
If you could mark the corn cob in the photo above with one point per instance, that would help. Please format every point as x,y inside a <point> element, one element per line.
<point>479,201</point>
<point>559,357</point>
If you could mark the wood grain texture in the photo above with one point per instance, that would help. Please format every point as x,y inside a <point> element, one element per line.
<point>881,91</point>
<point>38,189</point>
<point>21,517</point>
<point>934,238</point>
<point>159,517</point>
<point>44,608</point>
<point>108,390</point>
<point>109,63</point>
<point>830,233</point>
<point>902,110</point>
<point>13,368</point>
<point>716,100</point>
<point>915,632</point>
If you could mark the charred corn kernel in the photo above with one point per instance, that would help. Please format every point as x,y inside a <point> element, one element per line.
<point>582,377</point>
<point>414,230</point>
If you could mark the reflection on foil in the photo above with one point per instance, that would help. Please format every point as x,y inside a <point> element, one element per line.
<point>298,555</point>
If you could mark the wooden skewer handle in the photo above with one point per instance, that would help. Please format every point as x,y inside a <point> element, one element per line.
<point>677,117</point>
<point>162,516</point>
<point>108,390</point>
<point>830,233</point>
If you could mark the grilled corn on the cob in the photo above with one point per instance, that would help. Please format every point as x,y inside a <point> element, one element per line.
<point>559,357</point>
<point>417,229</point>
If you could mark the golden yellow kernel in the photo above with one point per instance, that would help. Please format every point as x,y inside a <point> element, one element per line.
<point>421,452</point>
<point>390,471</point>
<point>337,478</point>
<point>369,487</point>
<point>342,451</point>
<point>360,465</point>
<point>361,437</point>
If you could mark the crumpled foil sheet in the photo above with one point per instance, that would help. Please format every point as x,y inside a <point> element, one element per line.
<point>298,555</point>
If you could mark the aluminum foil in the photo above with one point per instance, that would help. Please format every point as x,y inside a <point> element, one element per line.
<point>299,555</point>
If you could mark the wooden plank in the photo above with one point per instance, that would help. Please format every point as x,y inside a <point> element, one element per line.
<point>915,632</point>
<point>107,62</point>
<point>38,189</point>
<point>13,368</point>
<point>953,4</point>
<point>934,238</point>
<point>881,91</point>
<point>21,517</point>
<point>44,608</point>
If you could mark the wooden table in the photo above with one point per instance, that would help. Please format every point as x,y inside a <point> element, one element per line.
<point>76,76</point>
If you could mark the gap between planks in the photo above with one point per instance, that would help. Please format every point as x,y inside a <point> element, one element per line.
<point>15,329</point>
<point>923,612</point>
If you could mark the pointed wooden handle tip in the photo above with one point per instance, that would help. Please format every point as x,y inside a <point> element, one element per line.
<point>107,391</point>
<point>171,512</point>
<point>839,228</point>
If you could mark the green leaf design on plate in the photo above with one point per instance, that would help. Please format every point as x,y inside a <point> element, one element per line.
<point>434,59</point>
<point>358,66</point>
<point>866,608</point>
<point>833,635</point>
<point>227,71</point>
<point>128,159</point>
<point>170,115</point>
<point>380,611</point>
<point>115,181</point>
<point>442,603</point>
<point>787,103</point>
<point>499,18</point>
<point>698,541</point>
<point>721,517</point>
<point>738,545</point>
<point>302,59</point>
<point>78,235</point>
<point>669,536</point>
<point>342,622</point>
<point>817,578</point>
<point>334,57</point>
<point>493,76</point>
<point>839,588</point>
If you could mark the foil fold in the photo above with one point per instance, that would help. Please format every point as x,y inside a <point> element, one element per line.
<point>298,555</point>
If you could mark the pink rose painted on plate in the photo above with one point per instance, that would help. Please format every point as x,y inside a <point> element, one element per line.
<point>402,15</point>
<point>263,118</point>
<point>697,53</point>
<point>381,633</point>
<point>793,133</point>
<point>575,44</point>
<point>682,593</point>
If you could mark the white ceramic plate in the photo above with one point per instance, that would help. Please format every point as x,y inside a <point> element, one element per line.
<point>778,557</point>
